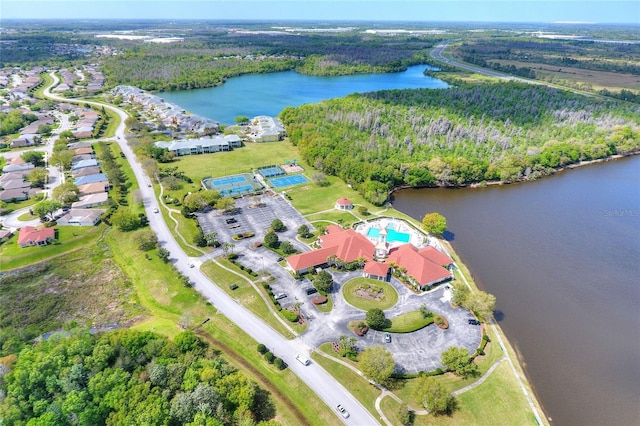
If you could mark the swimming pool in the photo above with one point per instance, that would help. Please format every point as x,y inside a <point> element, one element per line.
<point>288,181</point>
<point>392,235</point>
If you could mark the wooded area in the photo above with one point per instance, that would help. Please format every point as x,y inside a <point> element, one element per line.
<point>467,134</point>
<point>128,377</point>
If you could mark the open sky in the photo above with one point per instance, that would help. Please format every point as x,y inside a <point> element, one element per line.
<point>596,11</point>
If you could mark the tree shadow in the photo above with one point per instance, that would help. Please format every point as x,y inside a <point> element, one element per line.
<point>448,235</point>
<point>498,315</point>
<point>263,406</point>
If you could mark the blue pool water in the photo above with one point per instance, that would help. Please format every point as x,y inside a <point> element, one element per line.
<point>392,235</point>
<point>287,181</point>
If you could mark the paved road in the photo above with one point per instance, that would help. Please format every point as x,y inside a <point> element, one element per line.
<point>324,385</point>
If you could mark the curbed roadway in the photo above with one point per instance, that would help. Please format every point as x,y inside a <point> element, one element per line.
<point>322,383</point>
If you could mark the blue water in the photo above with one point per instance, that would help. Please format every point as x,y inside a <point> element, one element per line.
<point>392,235</point>
<point>288,181</point>
<point>268,94</point>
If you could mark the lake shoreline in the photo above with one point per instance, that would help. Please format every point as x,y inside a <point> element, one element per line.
<point>519,181</point>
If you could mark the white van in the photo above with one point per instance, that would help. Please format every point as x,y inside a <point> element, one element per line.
<point>303,359</point>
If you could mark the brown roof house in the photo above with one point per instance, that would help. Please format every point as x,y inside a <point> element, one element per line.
<point>81,217</point>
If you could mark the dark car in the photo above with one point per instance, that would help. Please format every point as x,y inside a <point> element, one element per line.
<point>474,321</point>
<point>310,291</point>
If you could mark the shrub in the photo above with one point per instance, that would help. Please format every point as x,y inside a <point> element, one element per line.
<point>290,315</point>
<point>232,256</point>
<point>262,348</point>
<point>319,300</point>
<point>269,357</point>
<point>278,362</point>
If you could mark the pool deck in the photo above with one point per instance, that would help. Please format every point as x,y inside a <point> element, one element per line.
<point>417,238</point>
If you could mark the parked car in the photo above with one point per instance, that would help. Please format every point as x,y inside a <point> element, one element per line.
<point>344,413</point>
<point>156,210</point>
<point>281,296</point>
<point>191,265</point>
<point>387,337</point>
<point>474,321</point>
<point>303,359</point>
<point>310,290</point>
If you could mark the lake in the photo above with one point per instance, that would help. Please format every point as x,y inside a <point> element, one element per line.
<point>562,255</point>
<point>268,94</point>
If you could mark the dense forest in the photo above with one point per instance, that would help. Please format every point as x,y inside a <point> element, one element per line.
<point>468,134</point>
<point>128,378</point>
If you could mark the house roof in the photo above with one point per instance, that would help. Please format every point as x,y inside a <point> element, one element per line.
<point>98,177</point>
<point>98,197</point>
<point>343,201</point>
<point>4,233</point>
<point>83,150</point>
<point>91,188</point>
<point>309,259</point>
<point>84,163</point>
<point>30,234</point>
<point>421,268</point>
<point>435,256</point>
<point>349,244</point>
<point>86,171</point>
<point>376,268</point>
<point>81,216</point>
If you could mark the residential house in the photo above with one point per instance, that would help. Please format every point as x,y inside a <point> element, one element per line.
<point>91,200</point>
<point>84,163</point>
<point>81,217</point>
<point>26,139</point>
<point>93,188</point>
<point>5,234</point>
<point>30,236</point>
<point>17,194</point>
<point>9,168</point>
<point>266,129</point>
<point>98,177</point>
<point>85,171</point>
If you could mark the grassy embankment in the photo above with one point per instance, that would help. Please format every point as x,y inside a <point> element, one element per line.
<point>387,298</point>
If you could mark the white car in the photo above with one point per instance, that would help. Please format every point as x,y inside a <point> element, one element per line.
<point>342,411</point>
<point>156,210</point>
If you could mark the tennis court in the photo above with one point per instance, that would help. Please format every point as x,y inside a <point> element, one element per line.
<point>233,185</point>
<point>228,180</point>
<point>271,171</point>
<point>288,181</point>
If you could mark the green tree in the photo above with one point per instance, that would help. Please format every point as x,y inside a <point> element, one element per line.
<point>376,363</point>
<point>34,157</point>
<point>323,282</point>
<point>163,254</point>
<point>433,396</point>
<point>303,231</point>
<point>434,223</point>
<point>45,209</point>
<point>125,220</point>
<point>66,193</point>
<point>460,294</point>
<point>459,361</point>
<point>271,240</point>
<point>241,119</point>
<point>212,239</point>
<point>38,176</point>
<point>195,202</point>
<point>62,158</point>
<point>146,240</point>
<point>225,204</point>
<point>482,303</point>
<point>347,346</point>
<point>277,225</point>
<point>287,247</point>
<point>376,319</point>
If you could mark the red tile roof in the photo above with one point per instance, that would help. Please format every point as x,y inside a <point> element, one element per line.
<point>343,201</point>
<point>309,259</point>
<point>349,244</point>
<point>31,235</point>
<point>421,268</point>
<point>436,256</point>
<point>376,268</point>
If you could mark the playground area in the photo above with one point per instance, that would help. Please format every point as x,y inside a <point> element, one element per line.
<point>235,185</point>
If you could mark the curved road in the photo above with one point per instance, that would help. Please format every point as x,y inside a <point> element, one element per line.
<point>323,384</point>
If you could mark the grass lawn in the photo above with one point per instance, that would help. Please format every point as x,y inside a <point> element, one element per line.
<point>409,322</point>
<point>332,217</point>
<point>11,207</point>
<point>245,294</point>
<point>326,307</point>
<point>70,238</point>
<point>241,160</point>
<point>27,217</point>
<point>388,299</point>
<point>357,385</point>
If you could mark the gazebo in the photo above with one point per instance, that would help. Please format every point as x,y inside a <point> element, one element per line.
<point>344,204</point>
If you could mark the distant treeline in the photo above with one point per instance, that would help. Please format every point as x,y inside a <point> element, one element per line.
<point>468,134</point>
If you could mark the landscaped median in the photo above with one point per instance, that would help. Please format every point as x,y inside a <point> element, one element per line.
<point>366,293</point>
